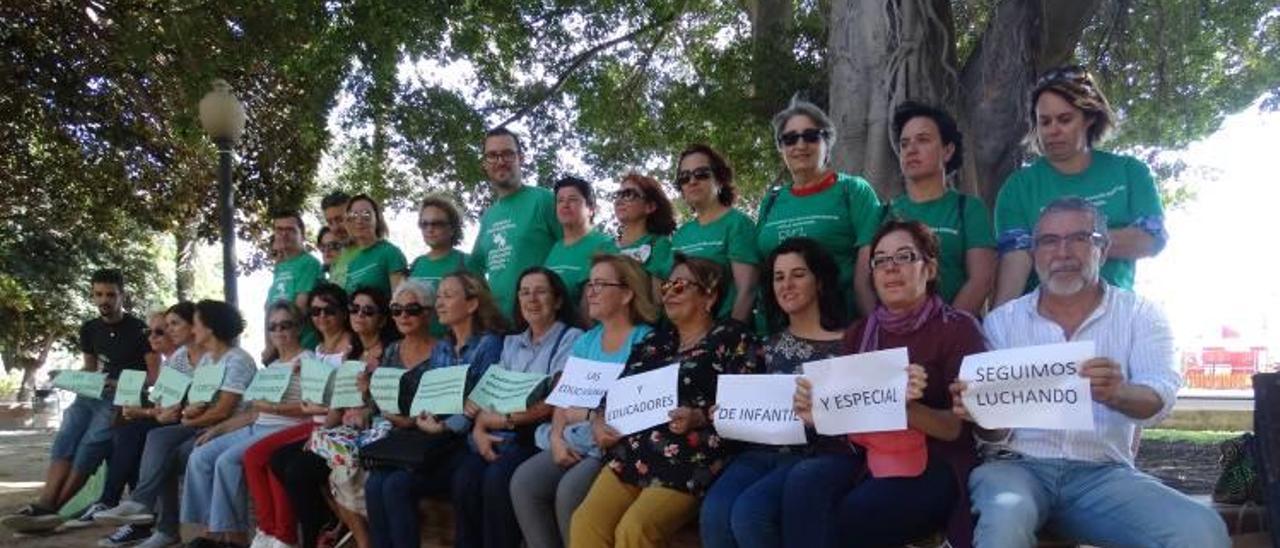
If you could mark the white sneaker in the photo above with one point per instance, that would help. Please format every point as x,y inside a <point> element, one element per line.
<point>85,518</point>
<point>159,540</point>
<point>277,543</point>
<point>262,540</point>
<point>127,512</point>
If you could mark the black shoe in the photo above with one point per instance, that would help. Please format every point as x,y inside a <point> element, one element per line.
<point>127,535</point>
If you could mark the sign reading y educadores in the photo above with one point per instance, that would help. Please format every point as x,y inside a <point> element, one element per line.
<point>1030,387</point>
<point>640,401</point>
<point>859,393</point>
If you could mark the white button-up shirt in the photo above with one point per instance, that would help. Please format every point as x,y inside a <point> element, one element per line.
<point>1126,328</point>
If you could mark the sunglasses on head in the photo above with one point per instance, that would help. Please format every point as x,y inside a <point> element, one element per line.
<point>317,311</point>
<point>285,325</point>
<point>1068,73</point>
<point>703,173</point>
<point>811,136</point>
<point>411,310</point>
<point>677,286</point>
<point>367,310</point>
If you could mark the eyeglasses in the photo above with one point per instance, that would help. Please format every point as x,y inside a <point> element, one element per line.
<point>703,173</point>
<point>411,310</point>
<point>1074,240</point>
<point>367,310</point>
<point>153,332</point>
<point>901,258</point>
<point>498,156</point>
<point>811,136</point>
<point>365,215</point>
<point>677,286</point>
<point>281,326</point>
<point>331,246</point>
<point>317,311</point>
<point>433,224</point>
<point>601,285</point>
<point>627,195</point>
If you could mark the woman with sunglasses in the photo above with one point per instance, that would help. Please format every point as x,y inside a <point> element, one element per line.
<point>547,326</point>
<point>646,220</point>
<point>653,479</point>
<point>1069,117</point>
<point>330,247</point>
<point>570,256</point>
<point>441,226</point>
<point>375,262</point>
<point>906,485</point>
<point>930,147</point>
<point>212,497</point>
<point>838,210</point>
<point>718,232</point>
<point>548,487</point>
<point>806,316</point>
<point>465,306</point>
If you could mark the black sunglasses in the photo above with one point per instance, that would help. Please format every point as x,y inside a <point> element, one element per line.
<point>317,311</point>
<point>811,135</point>
<point>703,173</point>
<point>281,326</point>
<point>412,310</point>
<point>367,310</point>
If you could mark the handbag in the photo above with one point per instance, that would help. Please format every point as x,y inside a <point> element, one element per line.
<point>1239,481</point>
<point>408,449</point>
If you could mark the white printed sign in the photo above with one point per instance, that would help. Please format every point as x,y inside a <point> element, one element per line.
<point>860,393</point>
<point>1030,387</point>
<point>758,408</point>
<point>644,400</point>
<point>583,383</point>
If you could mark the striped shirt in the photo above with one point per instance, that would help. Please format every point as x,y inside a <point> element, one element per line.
<point>1126,328</point>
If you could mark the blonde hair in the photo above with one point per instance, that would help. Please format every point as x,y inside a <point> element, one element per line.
<point>643,307</point>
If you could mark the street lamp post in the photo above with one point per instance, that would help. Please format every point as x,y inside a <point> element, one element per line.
<point>222,117</point>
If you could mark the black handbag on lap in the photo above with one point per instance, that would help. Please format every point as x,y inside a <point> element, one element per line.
<point>408,449</point>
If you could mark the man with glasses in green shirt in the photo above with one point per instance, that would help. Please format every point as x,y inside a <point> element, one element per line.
<point>296,272</point>
<point>334,206</point>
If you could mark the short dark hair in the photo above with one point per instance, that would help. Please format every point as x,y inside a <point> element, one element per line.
<point>831,306</point>
<point>183,309</point>
<point>292,214</point>
<point>948,130</point>
<point>222,319</point>
<point>924,239</point>
<point>334,199</point>
<point>568,311</point>
<point>324,229</point>
<point>709,273</point>
<point>584,188</point>
<point>108,276</point>
<point>501,131</point>
<point>663,219</point>
<point>719,167</point>
<point>380,225</point>
<point>450,209</point>
<point>331,293</point>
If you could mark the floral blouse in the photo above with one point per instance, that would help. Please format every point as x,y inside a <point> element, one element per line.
<point>655,457</point>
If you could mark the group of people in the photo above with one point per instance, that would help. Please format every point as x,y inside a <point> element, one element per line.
<point>824,269</point>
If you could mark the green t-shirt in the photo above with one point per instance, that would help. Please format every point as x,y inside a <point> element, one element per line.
<point>431,271</point>
<point>1120,186</point>
<point>573,262</point>
<point>955,236</point>
<point>516,232</point>
<point>841,218</point>
<point>373,267</point>
<point>291,278</point>
<point>652,251</point>
<point>729,239</point>
<point>338,270</point>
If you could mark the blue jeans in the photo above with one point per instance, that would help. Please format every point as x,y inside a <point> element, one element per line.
<point>163,460</point>
<point>213,492</point>
<point>84,437</point>
<point>744,505</point>
<point>830,500</point>
<point>482,499</point>
<point>391,498</point>
<point>1104,504</point>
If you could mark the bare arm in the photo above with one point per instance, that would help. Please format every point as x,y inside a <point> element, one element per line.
<point>90,362</point>
<point>744,278</point>
<point>153,366</point>
<point>218,412</point>
<point>862,288</point>
<point>936,423</point>
<point>1011,276</point>
<point>1131,243</point>
<point>980,268</point>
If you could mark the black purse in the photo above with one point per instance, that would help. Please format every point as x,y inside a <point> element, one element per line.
<point>408,449</point>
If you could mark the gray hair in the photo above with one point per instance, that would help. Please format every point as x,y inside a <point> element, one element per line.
<point>1076,204</point>
<point>798,107</point>
<point>425,294</point>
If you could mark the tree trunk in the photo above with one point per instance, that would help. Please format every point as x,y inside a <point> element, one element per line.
<point>772,54</point>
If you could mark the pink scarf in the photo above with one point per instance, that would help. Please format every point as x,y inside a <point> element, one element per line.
<point>898,323</point>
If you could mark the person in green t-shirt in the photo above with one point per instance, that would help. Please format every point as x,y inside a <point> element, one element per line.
<point>570,257</point>
<point>334,206</point>
<point>930,147</point>
<point>1069,117</point>
<point>376,263</point>
<point>441,226</point>
<point>718,232</point>
<point>646,220</point>
<point>296,272</point>
<point>839,211</point>
<point>519,228</point>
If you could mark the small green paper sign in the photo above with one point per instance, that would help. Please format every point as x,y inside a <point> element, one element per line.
<point>129,388</point>
<point>440,391</point>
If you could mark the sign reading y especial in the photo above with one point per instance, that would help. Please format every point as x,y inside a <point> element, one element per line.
<point>1030,387</point>
<point>644,400</point>
<point>759,409</point>
<point>859,393</point>
<point>583,383</point>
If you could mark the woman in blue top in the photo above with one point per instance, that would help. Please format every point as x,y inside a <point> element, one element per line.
<point>547,325</point>
<point>547,488</point>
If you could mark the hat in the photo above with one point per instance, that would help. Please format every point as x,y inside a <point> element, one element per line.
<point>898,454</point>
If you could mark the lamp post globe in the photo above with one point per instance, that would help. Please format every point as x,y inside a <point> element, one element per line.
<point>222,117</point>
